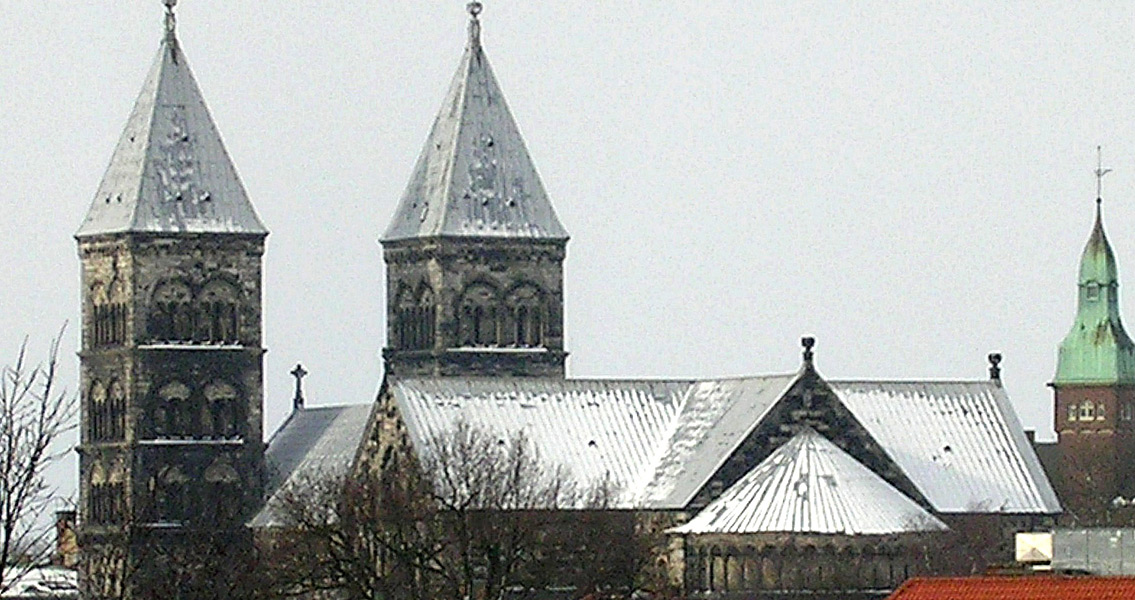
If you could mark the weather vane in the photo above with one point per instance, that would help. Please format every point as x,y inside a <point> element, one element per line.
<point>1100,172</point>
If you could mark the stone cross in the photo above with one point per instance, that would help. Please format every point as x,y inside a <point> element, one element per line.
<point>299,373</point>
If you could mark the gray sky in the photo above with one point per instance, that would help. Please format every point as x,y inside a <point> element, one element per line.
<point>909,182</point>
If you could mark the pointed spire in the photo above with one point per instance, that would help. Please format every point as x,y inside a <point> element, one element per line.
<point>170,172</point>
<point>475,178</point>
<point>1097,350</point>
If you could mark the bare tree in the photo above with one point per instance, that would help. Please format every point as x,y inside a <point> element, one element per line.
<point>475,517</point>
<point>34,414</point>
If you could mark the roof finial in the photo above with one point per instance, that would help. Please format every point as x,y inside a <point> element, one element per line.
<point>299,373</point>
<point>995,367</point>
<point>171,19</point>
<point>475,9</point>
<point>808,343</point>
<point>1100,172</point>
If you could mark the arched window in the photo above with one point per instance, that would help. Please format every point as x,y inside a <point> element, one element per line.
<point>171,501</point>
<point>405,319</point>
<point>173,414</point>
<point>426,319</point>
<point>1087,411</point>
<point>171,313</point>
<point>1072,411</point>
<point>221,419</point>
<point>114,419</point>
<point>525,316</point>
<point>477,316</point>
<point>1101,412</point>
<point>221,485</point>
<point>97,410</point>
<point>218,314</point>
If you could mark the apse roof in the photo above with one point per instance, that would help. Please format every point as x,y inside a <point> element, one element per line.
<point>810,485</point>
<point>474,177</point>
<point>170,172</point>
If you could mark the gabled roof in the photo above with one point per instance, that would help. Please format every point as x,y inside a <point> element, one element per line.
<point>1028,587</point>
<point>959,442</point>
<point>810,485</point>
<point>474,177</point>
<point>170,172</point>
<point>313,443</point>
<point>659,442</point>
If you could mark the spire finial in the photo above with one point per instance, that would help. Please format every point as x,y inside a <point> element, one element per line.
<point>809,355</point>
<point>1100,172</point>
<point>475,9</point>
<point>171,19</point>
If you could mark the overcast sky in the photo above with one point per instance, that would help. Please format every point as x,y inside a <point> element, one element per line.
<point>909,182</point>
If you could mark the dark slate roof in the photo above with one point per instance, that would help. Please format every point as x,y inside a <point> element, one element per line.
<point>474,177</point>
<point>313,443</point>
<point>170,172</point>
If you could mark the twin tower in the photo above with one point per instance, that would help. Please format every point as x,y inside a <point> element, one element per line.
<point>172,355</point>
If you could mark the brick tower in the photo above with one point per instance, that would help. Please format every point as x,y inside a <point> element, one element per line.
<point>1095,391</point>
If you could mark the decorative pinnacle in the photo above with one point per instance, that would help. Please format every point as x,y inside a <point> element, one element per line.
<point>808,343</point>
<point>475,9</point>
<point>995,366</point>
<point>171,19</point>
<point>1100,172</point>
<point>299,373</point>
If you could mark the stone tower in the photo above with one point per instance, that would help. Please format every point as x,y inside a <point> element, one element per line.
<point>171,357</point>
<point>1095,390</point>
<point>474,254</point>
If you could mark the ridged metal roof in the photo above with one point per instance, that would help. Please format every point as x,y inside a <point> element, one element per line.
<point>313,443</point>
<point>474,177</point>
<point>659,442</point>
<point>960,443</point>
<point>170,172</point>
<point>809,485</point>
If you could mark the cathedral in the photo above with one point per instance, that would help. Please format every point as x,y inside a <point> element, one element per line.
<point>772,482</point>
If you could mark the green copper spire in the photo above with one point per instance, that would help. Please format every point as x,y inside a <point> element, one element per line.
<point>1097,350</point>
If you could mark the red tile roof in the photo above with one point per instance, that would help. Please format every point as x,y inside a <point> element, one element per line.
<point>1027,587</point>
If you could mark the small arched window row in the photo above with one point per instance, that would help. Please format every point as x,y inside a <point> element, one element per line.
<point>107,503</point>
<point>518,320</point>
<point>213,412</point>
<point>108,324</point>
<point>176,499</point>
<point>107,412</point>
<point>210,316</point>
<point>416,320</point>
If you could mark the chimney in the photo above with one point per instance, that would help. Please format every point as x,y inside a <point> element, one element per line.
<point>66,544</point>
<point>995,367</point>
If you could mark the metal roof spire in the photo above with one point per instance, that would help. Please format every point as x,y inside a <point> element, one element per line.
<point>170,172</point>
<point>474,177</point>
<point>1100,172</point>
<point>474,9</point>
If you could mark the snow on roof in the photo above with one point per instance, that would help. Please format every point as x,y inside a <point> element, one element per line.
<point>959,442</point>
<point>170,172</point>
<point>659,442</point>
<point>809,485</point>
<point>474,177</point>
<point>312,443</point>
<point>44,582</point>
